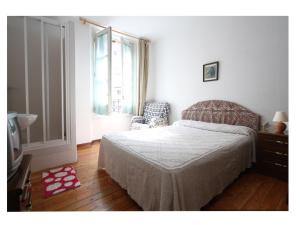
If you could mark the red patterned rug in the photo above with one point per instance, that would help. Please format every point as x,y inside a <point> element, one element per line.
<point>58,180</point>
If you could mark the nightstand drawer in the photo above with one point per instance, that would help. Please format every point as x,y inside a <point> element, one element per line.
<point>273,157</point>
<point>273,169</point>
<point>273,145</point>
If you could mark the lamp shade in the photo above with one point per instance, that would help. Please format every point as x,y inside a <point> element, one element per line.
<point>280,117</point>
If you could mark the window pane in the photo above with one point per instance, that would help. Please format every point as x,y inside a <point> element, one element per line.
<point>116,79</point>
<point>101,46</point>
<point>101,69</point>
<point>101,85</point>
<point>129,77</point>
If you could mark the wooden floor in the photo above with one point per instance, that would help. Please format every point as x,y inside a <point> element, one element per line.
<point>251,191</point>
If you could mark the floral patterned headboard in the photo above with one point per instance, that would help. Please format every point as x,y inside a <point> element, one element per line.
<point>219,111</point>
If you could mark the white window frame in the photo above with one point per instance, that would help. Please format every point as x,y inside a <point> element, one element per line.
<point>110,35</point>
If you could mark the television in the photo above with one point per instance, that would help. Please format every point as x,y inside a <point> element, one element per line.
<point>14,145</point>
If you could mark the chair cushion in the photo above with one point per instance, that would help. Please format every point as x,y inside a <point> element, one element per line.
<point>139,126</point>
<point>156,109</point>
<point>158,122</point>
<point>137,119</point>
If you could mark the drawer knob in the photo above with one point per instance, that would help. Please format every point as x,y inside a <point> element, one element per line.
<point>279,153</point>
<point>277,164</point>
<point>281,142</point>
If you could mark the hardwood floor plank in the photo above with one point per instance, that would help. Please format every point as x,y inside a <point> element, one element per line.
<point>251,191</point>
<point>92,198</point>
<point>71,196</point>
<point>256,202</point>
<point>134,208</point>
<point>235,196</point>
<point>109,202</point>
<point>277,194</point>
<point>283,204</point>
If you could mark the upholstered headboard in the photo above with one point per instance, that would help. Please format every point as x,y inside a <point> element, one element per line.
<point>218,111</point>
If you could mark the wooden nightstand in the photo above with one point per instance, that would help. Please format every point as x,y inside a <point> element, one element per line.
<point>272,154</point>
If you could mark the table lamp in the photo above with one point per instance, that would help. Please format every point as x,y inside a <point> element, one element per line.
<point>279,118</point>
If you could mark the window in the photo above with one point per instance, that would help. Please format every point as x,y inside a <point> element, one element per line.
<point>115,73</point>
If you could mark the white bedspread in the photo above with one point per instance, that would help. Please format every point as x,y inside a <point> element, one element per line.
<point>179,167</point>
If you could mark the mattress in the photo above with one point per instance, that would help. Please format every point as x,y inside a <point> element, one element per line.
<point>178,167</point>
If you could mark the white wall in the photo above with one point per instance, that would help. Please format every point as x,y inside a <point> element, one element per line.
<point>83,84</point>
<point>104,124</point>
<point>253,56</point>
<point>252,51</point>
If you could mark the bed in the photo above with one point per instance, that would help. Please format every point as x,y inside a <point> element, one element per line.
<point>185,165</point>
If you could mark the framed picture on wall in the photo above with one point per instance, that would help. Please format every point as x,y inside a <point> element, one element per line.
<point>210,71</point>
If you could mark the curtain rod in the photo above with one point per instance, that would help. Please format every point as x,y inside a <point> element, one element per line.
<point>85,21</point>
